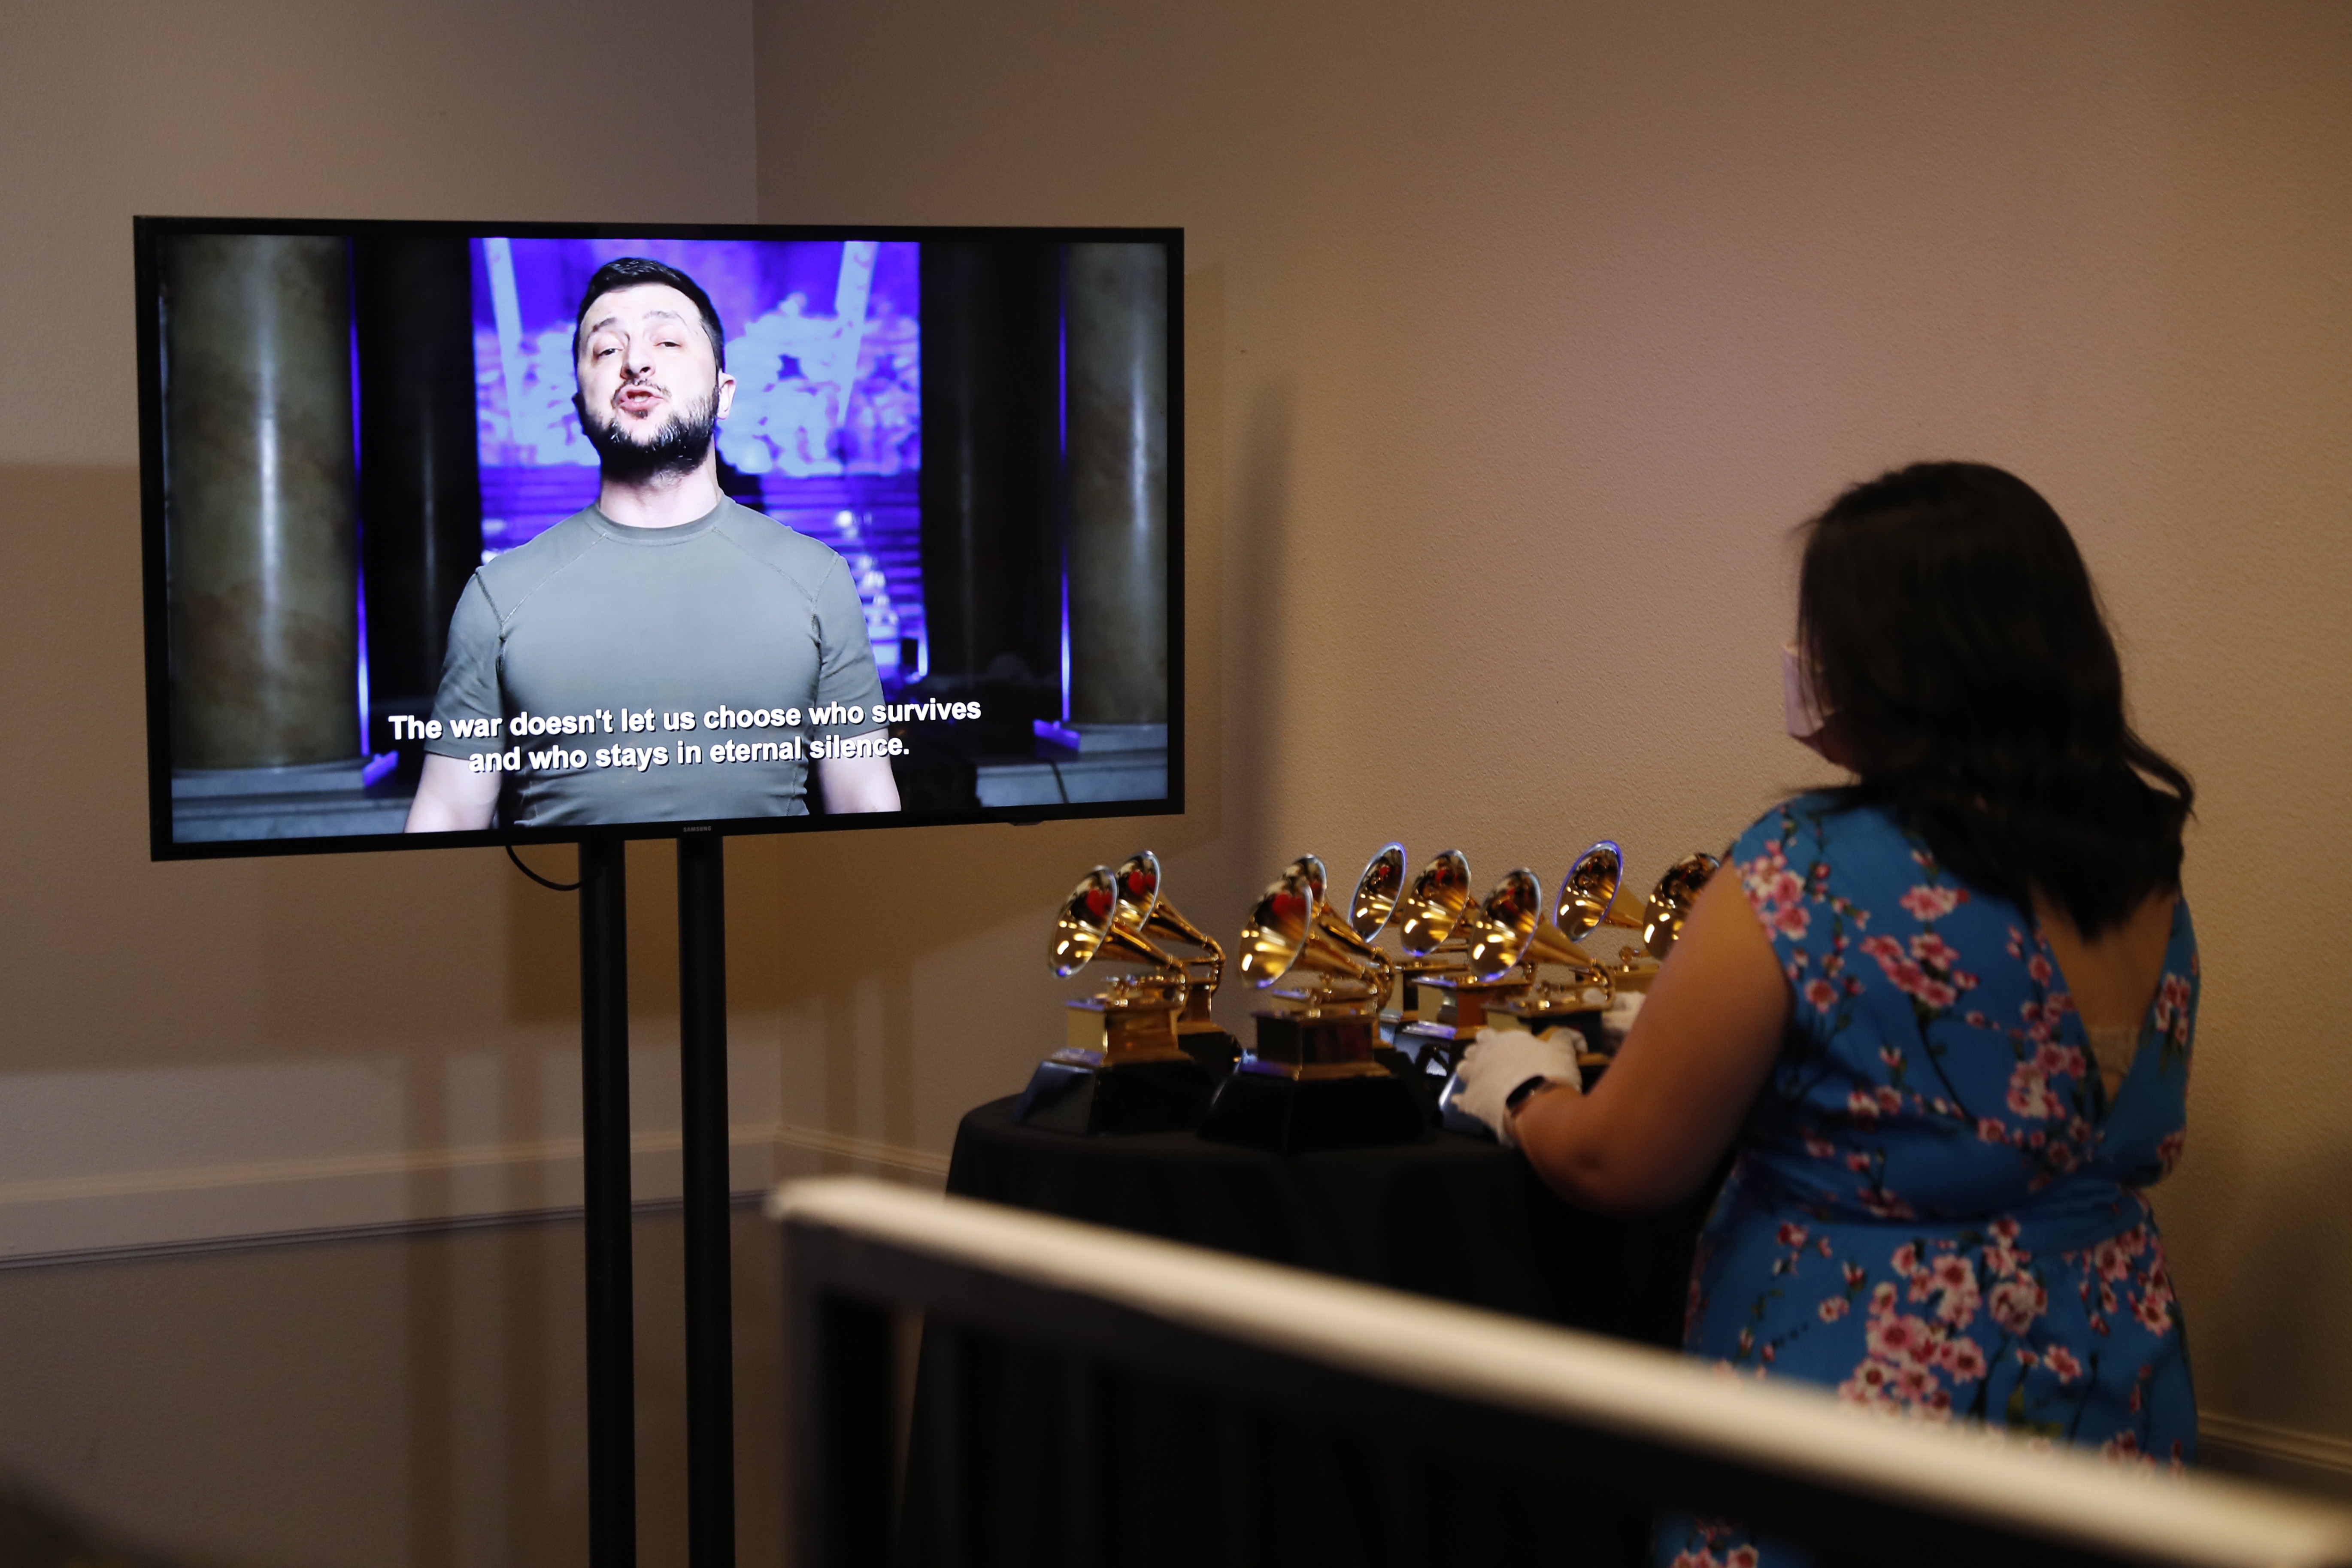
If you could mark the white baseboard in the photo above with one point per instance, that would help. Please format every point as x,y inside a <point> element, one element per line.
<point>62,1217</point>
<point>2307,1461</point>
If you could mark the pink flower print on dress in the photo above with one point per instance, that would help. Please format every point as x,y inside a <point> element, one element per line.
<point>1930,949</point>
<point>1831,1308</point>
<point>2061,1361</point>
<point>1901,1340</point>
<point>2039,967</point>
<point>1963,1358</point>
<point>1883,1204</point>
<point>1927,902</point>
<point>2059,1061</point>
<point>1822,995</point>
<point>2029,1094</point>
<point>2015,1303</point>
<point>1869,1386</point>
<point>1791,1233</point>
<point>1956,1285</point>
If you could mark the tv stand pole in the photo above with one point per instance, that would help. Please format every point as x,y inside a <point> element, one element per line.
<point>605,1127</point>
<point>710,1308</point>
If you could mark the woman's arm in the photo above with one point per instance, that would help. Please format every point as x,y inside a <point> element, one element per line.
<point>1666,1110</point>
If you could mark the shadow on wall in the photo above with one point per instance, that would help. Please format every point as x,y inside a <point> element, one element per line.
<point>38,1532</point>
<point>1258,650</point>
<point>2288,1335</point>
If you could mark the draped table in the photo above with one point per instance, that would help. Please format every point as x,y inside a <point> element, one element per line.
<point>1022,1455</point>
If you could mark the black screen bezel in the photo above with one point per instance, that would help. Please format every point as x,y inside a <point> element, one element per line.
<point>148,234</point>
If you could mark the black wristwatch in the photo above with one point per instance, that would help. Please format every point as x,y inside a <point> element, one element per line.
<point>1520,1096</point>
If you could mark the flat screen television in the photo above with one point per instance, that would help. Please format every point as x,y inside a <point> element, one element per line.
<point>480,533</point>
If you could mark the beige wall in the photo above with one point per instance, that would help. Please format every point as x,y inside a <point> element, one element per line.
<point>1519,335</point>
<point>1514,349</point>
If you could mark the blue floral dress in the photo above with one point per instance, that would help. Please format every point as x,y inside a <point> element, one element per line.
<point>1934,1207</point>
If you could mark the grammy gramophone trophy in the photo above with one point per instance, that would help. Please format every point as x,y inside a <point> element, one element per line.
<point>1428,916</point>
<point>1662,917</point>
<point>1311,1077</point>
<point>1485,948</point>
<point>1512,931</point>
<point>1123,1068</point>
<point>1516,935</point>
<point>1141,908</point>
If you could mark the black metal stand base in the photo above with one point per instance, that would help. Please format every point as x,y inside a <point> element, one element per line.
<point>1072,1097</point>
<point>1284,1115</point>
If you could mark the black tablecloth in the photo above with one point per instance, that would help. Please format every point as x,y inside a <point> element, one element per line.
<point>1450,1216</point>
<point>1022,1454</point>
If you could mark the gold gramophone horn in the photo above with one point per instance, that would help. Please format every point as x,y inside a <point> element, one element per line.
<point>1433,906</point>
<point>1593,893</point>
<point>1377,892</point>
<point>1141,908</point>
<point>1670,902</point>
<point>1510,930</point>
<point>1088,928</point>
<point>1292,934</point>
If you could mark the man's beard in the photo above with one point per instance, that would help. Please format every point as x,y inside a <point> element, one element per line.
<point>677,447</point>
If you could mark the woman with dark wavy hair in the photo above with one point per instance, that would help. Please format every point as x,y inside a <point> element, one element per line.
<point>1941,1015</point>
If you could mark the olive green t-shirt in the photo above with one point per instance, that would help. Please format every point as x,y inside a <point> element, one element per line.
<point>617,674</point>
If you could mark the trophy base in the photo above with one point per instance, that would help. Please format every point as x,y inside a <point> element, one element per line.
<point>1074,1093</point>
<point>1266,1108</point>
<point>1214,1049</point>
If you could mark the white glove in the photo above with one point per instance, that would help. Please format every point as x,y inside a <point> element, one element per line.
<point>1497,1062</point>
<point>1618,1022</point>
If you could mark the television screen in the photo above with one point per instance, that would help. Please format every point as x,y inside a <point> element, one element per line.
<point>472,533</point>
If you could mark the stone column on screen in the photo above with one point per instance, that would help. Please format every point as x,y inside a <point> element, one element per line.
<point>420,482</point>
<point>261,513</point>
<point>991,571</point>
<point>1118,313</point>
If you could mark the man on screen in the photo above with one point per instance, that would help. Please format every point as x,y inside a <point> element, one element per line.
<point>665,655</point>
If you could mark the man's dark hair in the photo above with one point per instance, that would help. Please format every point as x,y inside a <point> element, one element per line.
<point>1955,638</point>
<point>628,272</point>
